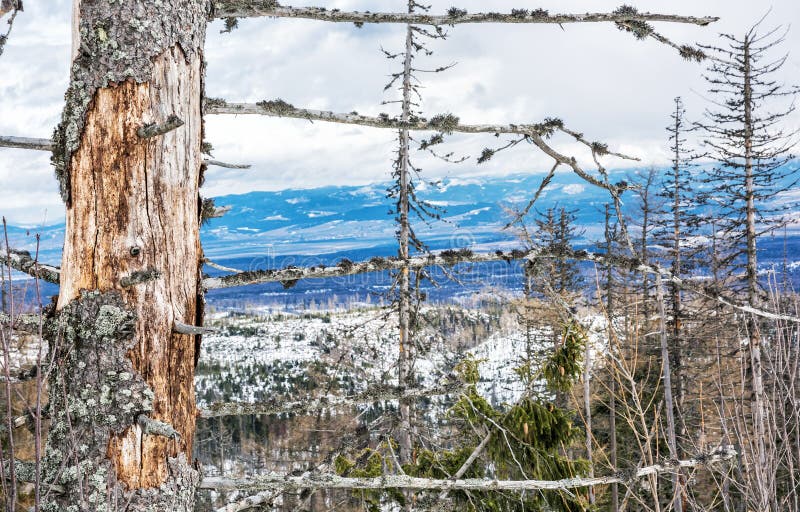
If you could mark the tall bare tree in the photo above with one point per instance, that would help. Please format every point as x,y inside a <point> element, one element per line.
<point>743,133</point>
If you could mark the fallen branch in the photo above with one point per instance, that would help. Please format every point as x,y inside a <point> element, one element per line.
<point>331,481</point>
<point>271,8</point>
<point>23,262</point>
<point>279,406</point>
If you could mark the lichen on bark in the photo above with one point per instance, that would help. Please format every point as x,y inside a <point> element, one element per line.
<point>118,42</point>
<point>95,392</point>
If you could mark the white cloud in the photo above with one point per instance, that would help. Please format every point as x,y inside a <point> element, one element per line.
<point>573,189</point>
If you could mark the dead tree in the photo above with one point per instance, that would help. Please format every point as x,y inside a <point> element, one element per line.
<point>127,153</point>
<point>750,150</point>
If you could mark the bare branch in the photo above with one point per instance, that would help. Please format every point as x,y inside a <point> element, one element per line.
<point>250,502</point>
<point>26,143</point>
<point>23,262</point>
<point>271,8</point>
<point>446,123</point>
<point>346,268</point>
<point>157,428</point>
<point>154,129</point>
<point>139,277</point>
<point>220,267</point>
<point>26,323</point>
<point>47,145</point>
<point>217,163</point>
<point>181,328</point>
<point>280,406</point>
<point>332,481</point>
<point>450,258</point>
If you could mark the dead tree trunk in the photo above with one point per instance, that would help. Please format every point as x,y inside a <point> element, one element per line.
<point>751,271</point>
<point>127,155</point>
<point>405,361</point>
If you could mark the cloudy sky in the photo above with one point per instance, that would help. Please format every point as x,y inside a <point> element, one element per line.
<point>599,80</point>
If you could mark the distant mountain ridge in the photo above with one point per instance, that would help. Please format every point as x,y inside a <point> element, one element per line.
<point>320,225</point>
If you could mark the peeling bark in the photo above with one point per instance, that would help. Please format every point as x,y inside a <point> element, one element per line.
<point>116,43</point>
<point>132,230</point>
<point>96,394</point>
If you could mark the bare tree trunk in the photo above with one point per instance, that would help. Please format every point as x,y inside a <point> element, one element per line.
<point>752,285</point>
<point>405,360</point>
<point>123,396</point>
<point>612,405</point>
<point>587,410</point>
<point>669,403</point>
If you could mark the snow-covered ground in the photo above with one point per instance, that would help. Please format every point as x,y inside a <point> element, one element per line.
<point>299,353</point>
<point>257,356</point>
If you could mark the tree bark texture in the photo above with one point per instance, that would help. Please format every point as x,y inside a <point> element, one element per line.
<point>132,207</point>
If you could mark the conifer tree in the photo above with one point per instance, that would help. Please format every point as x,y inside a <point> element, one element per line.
<point>743,133</point>
<point>675,225</point>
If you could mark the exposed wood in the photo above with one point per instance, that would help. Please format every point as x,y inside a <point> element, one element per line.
<point>130,192</point>
<point>271,8</point>
<point>332,481</point>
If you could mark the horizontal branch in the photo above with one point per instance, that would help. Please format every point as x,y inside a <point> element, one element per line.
<point>346,268</point>
<point>279,406</point>
<point>271,8</point>
<point>194,330</point>
<point>450,258</point>
<point>249,503</point>
<point>332,481</point>
<point>151,130</point>
<point>23,262</point>
<point>446,123</point>
<point>47,145</point>
<point>217,163</point>
<point>26,143</point>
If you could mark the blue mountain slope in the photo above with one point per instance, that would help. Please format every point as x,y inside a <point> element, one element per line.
<point>324,225</point>
<point>333,219</point>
